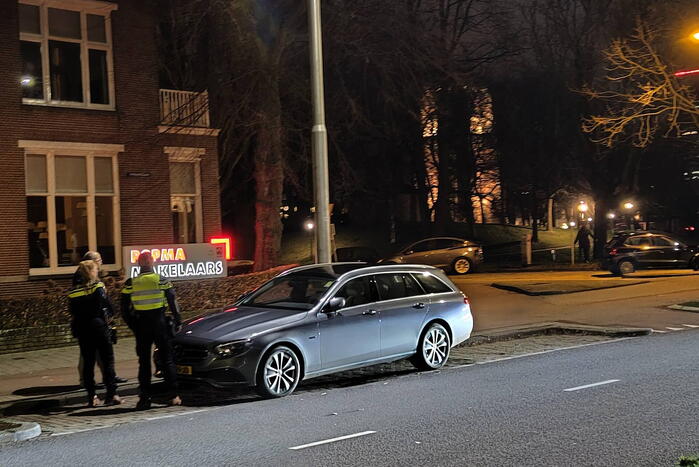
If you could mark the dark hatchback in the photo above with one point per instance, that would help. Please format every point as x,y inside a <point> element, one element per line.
<point>628,251</point>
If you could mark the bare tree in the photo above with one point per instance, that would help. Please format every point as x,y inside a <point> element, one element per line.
<point>642,95</point>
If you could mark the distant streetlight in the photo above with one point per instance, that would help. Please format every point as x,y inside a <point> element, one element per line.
<point>611,215</point>
<point>309,225</point>
<point>695,36</point>
<point>628,206</point>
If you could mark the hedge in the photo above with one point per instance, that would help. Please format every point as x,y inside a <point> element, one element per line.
<point>51,308</point>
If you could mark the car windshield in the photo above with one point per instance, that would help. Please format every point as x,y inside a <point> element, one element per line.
<point>291,293</point>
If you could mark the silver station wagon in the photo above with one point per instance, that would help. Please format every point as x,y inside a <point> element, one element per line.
<point>315,320</point>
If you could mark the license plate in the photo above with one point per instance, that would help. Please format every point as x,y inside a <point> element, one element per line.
<point>184,370</point>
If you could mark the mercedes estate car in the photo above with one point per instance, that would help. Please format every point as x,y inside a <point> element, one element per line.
<point>630,250</point>
<point>315,320</point>
<point>455,255</point>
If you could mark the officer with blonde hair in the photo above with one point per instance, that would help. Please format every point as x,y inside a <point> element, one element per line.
<point>144,300</point>
<point>92,312</point>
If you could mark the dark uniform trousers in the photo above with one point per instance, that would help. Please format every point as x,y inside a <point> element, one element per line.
<point>151,328</point>
<point>95,341</point>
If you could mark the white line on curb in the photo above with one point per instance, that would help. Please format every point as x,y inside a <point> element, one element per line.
<point>332,440</point>
<point>674,329</point>
<point>691,326</point>
<point>577,388</point>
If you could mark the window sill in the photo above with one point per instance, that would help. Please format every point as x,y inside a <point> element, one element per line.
<point>64,271</point>
<point>68,105</point>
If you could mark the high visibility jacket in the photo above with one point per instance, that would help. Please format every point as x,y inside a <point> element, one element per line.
<point>147,291</point>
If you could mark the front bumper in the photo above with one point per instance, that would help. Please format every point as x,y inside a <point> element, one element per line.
<point>203,366</point>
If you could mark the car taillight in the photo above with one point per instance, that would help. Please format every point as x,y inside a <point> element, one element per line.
<point>466,300</point>
<point>613,252</point>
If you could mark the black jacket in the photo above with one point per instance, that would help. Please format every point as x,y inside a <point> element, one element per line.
<point>90,308</point>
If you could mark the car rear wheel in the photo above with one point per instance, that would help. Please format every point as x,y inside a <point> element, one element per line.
<point>461,265</point>
<point>279,373</point>
<point>433,348</point>
<point>626,267</point>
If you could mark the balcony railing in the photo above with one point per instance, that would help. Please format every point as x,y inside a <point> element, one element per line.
<point>184,108</point>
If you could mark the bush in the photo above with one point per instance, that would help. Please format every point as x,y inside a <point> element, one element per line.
<point>193,297</point>
<point>688,461</point>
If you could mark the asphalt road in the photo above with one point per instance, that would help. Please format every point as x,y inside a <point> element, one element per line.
<point>642,305</point>
<point>512,412</point>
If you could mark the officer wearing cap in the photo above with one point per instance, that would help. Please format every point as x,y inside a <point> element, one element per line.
<point>144,299</point>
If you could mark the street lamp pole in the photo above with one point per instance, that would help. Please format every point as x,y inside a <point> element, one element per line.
<point>319,135</point>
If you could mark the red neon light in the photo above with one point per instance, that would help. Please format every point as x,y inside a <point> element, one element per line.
<point>687,72</point>
<point>226,242</point>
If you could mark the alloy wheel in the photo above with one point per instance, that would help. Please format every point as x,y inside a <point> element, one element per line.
<point>462,266</point>
<point>435,347</point>
<point>626,267</point>
<point>281,372</point>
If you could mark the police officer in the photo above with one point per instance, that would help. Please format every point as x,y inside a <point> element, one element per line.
<point>77,282</point>
<point>92,311</point>
<point>143,302</point>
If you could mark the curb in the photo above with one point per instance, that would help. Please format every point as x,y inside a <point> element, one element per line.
<point>30,405</point>
<point>684,308</point>
<point>514,288</point>
<point>556,327</point>
<point>25,431</point>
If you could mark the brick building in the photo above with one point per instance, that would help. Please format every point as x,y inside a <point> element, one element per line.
<point>93,154</point>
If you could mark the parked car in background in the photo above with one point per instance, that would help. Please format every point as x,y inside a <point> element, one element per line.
<point>455,255</point>
<point>630,250</point>
<point>357,253</point>
<point>321,319</point>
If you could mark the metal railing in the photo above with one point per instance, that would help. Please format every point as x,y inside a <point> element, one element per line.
<point>184,108</point>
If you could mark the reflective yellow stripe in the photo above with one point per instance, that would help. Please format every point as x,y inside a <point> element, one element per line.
<point>84,291</point>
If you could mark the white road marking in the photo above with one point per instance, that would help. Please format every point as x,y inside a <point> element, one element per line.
<point>659,332</point>
<point>93,428</point>
<point>691,326</point>
<point>577,388</point>
<point>674,329</point>
<point>332,440</point>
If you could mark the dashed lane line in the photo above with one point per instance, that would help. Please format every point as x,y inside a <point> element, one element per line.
<point>586,386</point>
<point>331,440</point>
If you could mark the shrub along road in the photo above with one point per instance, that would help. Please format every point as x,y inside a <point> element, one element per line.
<point>628,402</point>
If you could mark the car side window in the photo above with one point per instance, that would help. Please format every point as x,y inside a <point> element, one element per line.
<point>663,241</point>
<point>431,284</point>
<point>449,243</point>
<point>393,286</point>
<point>418,247</point>
<point>359,291</point>
<point>638,241</point>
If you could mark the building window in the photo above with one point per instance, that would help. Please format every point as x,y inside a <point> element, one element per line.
<point>185,194</point>
<point>67,53</point>
<point>72,204</point>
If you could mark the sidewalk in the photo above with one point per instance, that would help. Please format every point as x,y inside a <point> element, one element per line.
<point>53,373</point>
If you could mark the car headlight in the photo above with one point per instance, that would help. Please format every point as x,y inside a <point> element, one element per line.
<point>230,349</point>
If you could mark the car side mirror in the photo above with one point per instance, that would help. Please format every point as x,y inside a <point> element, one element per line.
<point>334,304</point>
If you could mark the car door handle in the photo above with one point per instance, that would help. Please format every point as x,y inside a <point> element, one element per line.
<point>369,312</point>
<point>419,306</point>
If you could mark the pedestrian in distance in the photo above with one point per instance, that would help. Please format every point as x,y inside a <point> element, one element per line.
<point>77,281</point>
<point>92,311</point>
<point>583,240</point>
<point>144,300</point>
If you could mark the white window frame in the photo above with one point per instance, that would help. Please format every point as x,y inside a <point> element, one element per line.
<point>90,151</point>
<point>191,155</point>
<point>84,7</point>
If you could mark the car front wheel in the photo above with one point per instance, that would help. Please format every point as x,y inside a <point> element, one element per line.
<point>279,373</point>
<point>433,348</point>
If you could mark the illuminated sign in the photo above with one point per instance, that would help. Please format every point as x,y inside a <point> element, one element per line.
<point>179,262</point>
<point>226,242</point>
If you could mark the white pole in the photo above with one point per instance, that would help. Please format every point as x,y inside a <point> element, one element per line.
<point>319,135</point>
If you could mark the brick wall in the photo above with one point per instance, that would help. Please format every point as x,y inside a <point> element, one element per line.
<point>145,202</point>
